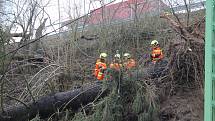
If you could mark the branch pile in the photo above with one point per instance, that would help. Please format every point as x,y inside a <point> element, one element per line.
<point>186,60</point>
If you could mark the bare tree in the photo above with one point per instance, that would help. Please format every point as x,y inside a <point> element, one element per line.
<point>25,17</point>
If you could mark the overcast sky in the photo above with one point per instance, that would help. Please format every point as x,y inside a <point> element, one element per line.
<point>68,8</point>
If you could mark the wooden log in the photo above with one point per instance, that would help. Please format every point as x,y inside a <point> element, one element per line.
<point>47,105</point>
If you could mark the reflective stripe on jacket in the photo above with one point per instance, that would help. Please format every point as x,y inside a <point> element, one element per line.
<point>157,54</point>
<point>130,63</point>
<point>99,70</point>
<point>115,66</point>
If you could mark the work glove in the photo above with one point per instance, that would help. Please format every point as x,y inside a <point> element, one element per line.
<point>155,55</point>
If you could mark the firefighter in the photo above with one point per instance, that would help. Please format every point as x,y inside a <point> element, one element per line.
<point>129,63</point>
<point>116,64</point>
<point>157,54</point>
<point>100,66</point>
<point>116,67</point>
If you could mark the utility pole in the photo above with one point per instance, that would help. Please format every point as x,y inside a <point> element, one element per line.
<point>58,3</point>
<point>58,48</point>
<point>102,4</point>
<point>209,96</point>
<point>84,7</point>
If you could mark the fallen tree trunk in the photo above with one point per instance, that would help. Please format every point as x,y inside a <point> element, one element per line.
<point>47,105</point>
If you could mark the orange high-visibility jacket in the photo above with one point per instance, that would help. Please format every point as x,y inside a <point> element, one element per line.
<point>115,66</point>
<point>99,70</point>
<point>130,63</point>
<point>157,54</point>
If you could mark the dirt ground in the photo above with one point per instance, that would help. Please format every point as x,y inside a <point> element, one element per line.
<point>185,105</point>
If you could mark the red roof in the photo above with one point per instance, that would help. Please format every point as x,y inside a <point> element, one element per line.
<point>123,10</point>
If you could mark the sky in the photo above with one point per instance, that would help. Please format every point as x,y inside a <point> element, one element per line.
<point>67,8</point>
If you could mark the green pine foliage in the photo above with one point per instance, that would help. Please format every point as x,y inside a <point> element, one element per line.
<point>128,98</point>
<point>150,115</point>
<point>37,118</point>
<point>97,116</point>
<point>138,104</point>
<point>107,113</point>
<point>143,117</point>
<point>79,117</point>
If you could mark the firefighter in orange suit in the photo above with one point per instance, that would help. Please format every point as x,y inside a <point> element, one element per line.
<point>100,66</point>
<point>129,63</point>
<point>157,54</point>
<point>116,64</point>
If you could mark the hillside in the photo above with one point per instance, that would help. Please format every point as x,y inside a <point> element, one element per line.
<point>175,93</point>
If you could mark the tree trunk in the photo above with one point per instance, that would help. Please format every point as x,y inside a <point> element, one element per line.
<point>47,105</point>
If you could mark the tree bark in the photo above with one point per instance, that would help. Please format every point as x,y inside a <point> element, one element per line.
<point>47,105</point>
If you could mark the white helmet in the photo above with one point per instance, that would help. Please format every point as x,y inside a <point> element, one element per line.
<point>103,55</point>
<point>117,56</point>
<point>127,55</point>
<point>154,42</point>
